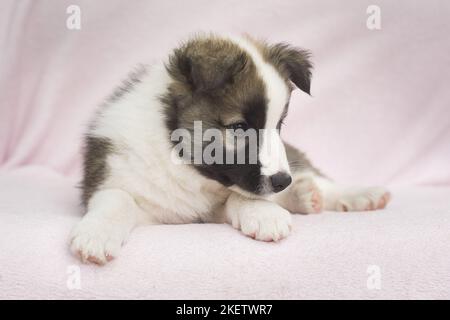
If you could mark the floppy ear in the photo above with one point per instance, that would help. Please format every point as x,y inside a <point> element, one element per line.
<point>293,62</point>
<point>204,70</point>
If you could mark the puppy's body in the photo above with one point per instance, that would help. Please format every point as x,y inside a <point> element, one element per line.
<point>130,176</point>
<point>139,159</point>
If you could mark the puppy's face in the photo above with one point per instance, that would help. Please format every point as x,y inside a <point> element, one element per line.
<point>236,92</point>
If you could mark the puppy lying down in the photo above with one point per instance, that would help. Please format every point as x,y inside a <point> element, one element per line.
<point>196,139</point>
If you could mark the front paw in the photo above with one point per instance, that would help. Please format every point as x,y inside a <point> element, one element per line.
<point>96,241</point>
<point>266,224</point>
<point>304,197</point>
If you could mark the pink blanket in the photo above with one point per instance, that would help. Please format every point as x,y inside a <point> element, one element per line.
<point>402,252</point>
<point>379,114</point>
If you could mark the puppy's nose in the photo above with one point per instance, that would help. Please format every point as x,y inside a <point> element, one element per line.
<point>280,181</point>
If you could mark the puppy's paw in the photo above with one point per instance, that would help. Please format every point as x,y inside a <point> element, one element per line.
<point>363,199</point>
<point>266,224</point>
<point>96,241</point>
<point>304,197</point>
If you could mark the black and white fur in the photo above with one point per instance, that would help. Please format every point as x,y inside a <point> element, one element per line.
<point>130,178</point>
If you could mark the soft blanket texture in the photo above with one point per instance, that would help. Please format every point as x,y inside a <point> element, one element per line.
<point>379,114</point>
<point>329,255</point>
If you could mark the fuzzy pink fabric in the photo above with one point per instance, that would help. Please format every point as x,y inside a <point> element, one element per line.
<point>379,114</point>
<point>328,256</point>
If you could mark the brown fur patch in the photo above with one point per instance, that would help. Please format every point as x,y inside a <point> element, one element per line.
<point>216,82</point>
<point>95,167</point>
<point>293,63</point>
<point>298,160</point>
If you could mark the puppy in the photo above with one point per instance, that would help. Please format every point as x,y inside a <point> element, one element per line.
<point>237,84</point>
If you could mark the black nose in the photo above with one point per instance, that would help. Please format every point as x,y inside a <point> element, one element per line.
<point>280,181</point>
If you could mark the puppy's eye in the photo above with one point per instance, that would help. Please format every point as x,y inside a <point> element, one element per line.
<point>238,126</point>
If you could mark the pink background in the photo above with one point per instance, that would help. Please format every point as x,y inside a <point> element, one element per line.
<point>379,113</point>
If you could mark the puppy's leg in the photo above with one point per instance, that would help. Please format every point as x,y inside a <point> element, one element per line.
<point>311,192</point>
<point>302,196</point>
<point>341,198</point>
<point>111,215</point>
<point>259,219</point>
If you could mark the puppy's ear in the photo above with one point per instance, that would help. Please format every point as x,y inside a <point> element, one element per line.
<point>292,62</point>
<point>208,66</point>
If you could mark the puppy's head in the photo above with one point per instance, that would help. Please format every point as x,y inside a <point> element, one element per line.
<point>236,92</point>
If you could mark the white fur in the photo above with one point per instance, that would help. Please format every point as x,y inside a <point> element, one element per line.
<point>310,193</point>
<point>161,190</point>
<point>111,216</point>
<point>169,192</point>
<point>341,198</point>
<point>272,153</point>
<point>144,185</point>
<point>257,218</point>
